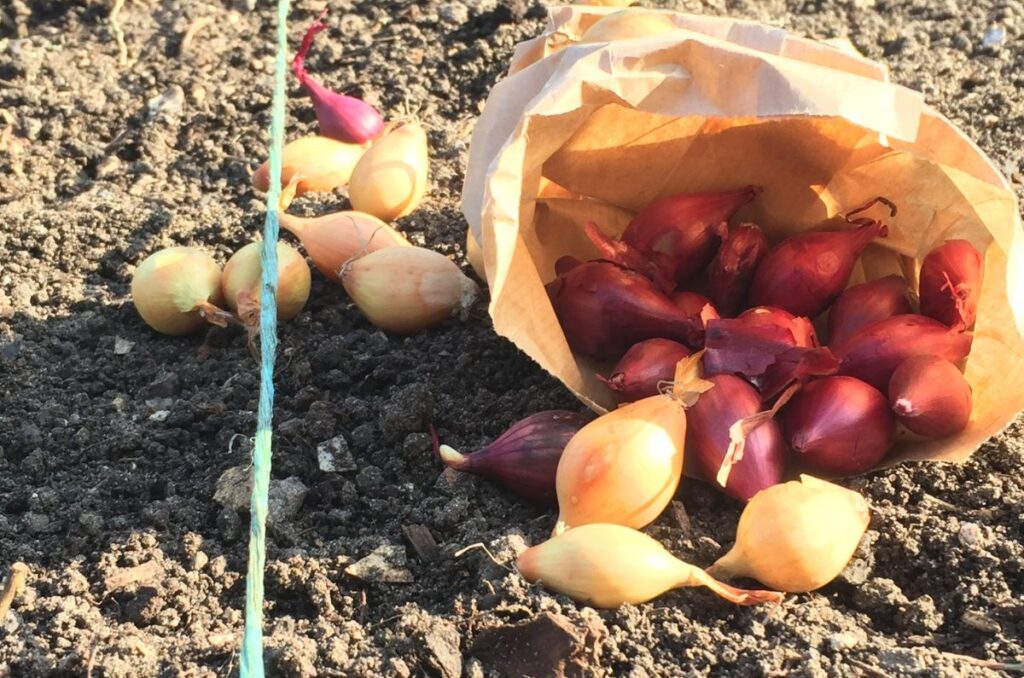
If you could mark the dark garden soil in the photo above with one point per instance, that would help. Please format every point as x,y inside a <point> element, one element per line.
<point>112,438</point>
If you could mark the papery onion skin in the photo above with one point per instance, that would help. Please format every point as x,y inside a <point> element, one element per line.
<point>523,459</point>
<point>695,305</point>
<point>240,283</point>
<point>607,565</point>
<point>170,287</point>
<point>950,283</point>
<point>624,466</point>
<point>865,304</point>
<point>733,268</point>
<point>838,426</point>
<point>340,117</point>
<point>931,397</point>
<point>797,536</point>
<point>873,353</point>
<point>707,438</point>
<point>604,309</point>
<point>643,368</point>
<point>318,164</point>
<point>799,327</point>
<point>806,272</point>
<point>682,233</point>
<point>763,348</point>
<point>331,240</point>
<point>627,256</point>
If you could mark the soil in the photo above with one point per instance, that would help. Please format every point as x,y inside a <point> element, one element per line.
<point>112,438</point>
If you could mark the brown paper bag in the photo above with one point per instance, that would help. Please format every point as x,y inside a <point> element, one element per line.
<point>719,104</point>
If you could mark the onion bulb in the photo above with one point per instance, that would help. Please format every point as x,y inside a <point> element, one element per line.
<point>839,425</point>
<point>610,565</point>
<point>333,239</point>
<point>627,24</point>
<point>524,459</point>
<point>931,397</point>
<point>311,165</point>
<point>797,536</point>
<point>176,290</point>
<point>950,283</point>
<point>406,289</point>
<point>624,466</point>
<point>240,283</point>
<point>806,272</point>
<point>390,179</point>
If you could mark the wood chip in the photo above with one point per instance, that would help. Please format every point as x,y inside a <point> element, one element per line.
<point>422,542</point>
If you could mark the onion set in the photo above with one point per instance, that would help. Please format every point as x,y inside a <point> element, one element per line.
<point>950,283</point>
<point>873,353</point>
<point>177,290</point>
<point>797,536</point>
<point>312,164</point>
<point>407,289</point>
<point>681,233</point>
<point>390,179</point>
<point>806,272</point>
<point>604,309</point>
<point>866,304</point>
<point>340,117</point>
<point>733,268</point>
<point>333,239</point>
<point>240,283</point>
<point>523,459</point>
<point>624,466</point>
<point>644,368</point>
<point>711,435</point>
<point>931,397</point>
<point>838,426</point>
<point>610,565</point>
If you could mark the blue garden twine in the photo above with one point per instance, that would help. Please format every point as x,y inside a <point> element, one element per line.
<point>252,643</point>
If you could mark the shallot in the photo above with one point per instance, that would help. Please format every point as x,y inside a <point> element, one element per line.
<point>333,239</point>
<point>604,309</point>
<point>874,352</point>
<point>838,426</point>
<point>627,24</point>
<point>523,459</point>
<point>177,290</point>
<point>341,117</point>
<point>867,303</point>
<point>406,289</point>
<point>709,438</point>
<point>389,181</point>
<point>806,272</point>
<point>311,165</point>
<point>240,283</point>
<point>624,466</point>
<point>797,536</point>
<point>950,283</point>
<point>733,268</point>
<point>643,368</point>
<point>682,233</point>
<point>610,565</point>
<point>931,397</point>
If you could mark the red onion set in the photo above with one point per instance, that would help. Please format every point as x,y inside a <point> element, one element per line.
<point>681,280</point>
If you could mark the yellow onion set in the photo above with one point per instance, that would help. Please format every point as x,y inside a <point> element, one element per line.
<point>399,287</point>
